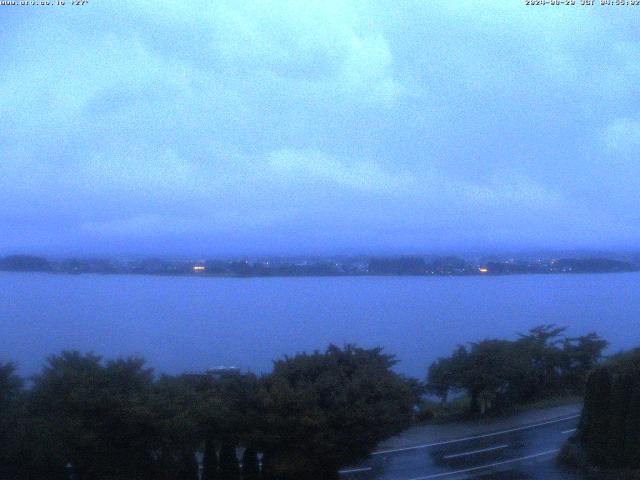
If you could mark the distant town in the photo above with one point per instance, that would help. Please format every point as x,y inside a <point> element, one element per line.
<point>318,266</point>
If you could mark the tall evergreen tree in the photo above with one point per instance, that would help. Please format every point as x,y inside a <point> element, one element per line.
<point>610,425</point>
<point>621,393</point>
<point>632,430</point>
<point>596,415</point>
<point>10,397</point>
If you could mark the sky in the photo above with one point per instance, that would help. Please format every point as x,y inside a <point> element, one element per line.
<point>293,127</point>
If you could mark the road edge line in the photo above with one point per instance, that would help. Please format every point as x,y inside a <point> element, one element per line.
<point>474,437</point>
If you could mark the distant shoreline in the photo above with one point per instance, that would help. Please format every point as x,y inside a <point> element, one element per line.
<point>403,266</point>
<point>344,275</point>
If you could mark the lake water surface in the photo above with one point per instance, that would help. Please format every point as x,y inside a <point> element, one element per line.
<point>186,323</point>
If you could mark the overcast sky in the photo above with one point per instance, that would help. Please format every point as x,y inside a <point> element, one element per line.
<point>229,127</point>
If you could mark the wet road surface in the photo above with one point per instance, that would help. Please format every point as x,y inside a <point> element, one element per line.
<point>526,452</point>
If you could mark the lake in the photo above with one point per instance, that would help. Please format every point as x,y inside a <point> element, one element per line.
<point>190,323</point>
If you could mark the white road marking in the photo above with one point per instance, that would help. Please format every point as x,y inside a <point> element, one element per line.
<point>569,431</point>
<point>486,435</point>
<point>464,454</point>
<point>355,470</point>
<point>482,467</point>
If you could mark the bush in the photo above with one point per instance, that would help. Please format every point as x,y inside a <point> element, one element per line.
<point>610,425</point>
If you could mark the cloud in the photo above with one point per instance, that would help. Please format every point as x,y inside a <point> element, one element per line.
<point>517,192</point>
<point>337,123</point>
<point>310,166</point>
<point>318,47</point>
<point>622,135</point>
<point>145,226</point>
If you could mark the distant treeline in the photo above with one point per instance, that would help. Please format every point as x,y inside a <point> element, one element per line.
<point>404,265</point>
<point>88,419</point>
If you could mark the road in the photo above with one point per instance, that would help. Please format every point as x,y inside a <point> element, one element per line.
<point>525,452</point>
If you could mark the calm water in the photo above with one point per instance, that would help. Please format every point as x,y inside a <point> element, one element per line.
<point>181,323</point>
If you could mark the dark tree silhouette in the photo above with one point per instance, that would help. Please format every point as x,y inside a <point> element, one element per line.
<point>210,460</point>
<point>250,469</point>
<point>610,424</point>
<point>325,410</point>
<point>229,468</point>
<point>496,374</point>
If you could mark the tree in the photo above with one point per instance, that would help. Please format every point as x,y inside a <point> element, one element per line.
<point>621,393</point>
<point>397,266</point>
<point>632,429</point>
<point>210,460</point>
<point>541,347</point>
<point>229,468</point>
<point>489,372</point>
<point>24,263</point>
<point>580,356</point>
<point>250,464</point>
<point>441,378</point>
<point>609,427</point>
<point>96,416</point>
<point>175,402</point>
<point>10,386</point>
<point>496,374</point>
<point>594,426</point>
<point>188,469</point>
<point>324,410</point>
<point>229,410</point>
<point>113,420</point>
<point>10,396</point>
<point>494,368</point>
